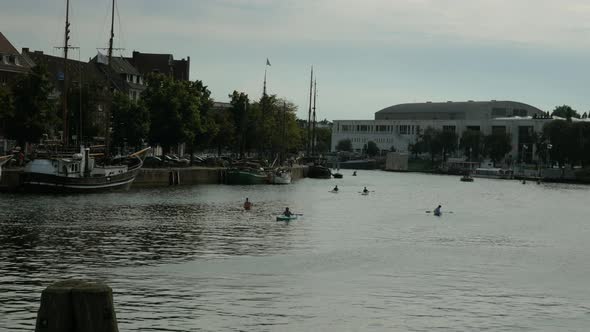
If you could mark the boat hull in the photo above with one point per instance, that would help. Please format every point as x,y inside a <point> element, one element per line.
<point>286,218</point>
<point>283,178</point>
<point>319,172</point>
<point>38,182</point>
<point>239,177</point>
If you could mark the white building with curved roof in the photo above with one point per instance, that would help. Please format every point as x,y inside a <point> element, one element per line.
<point>398,126</point>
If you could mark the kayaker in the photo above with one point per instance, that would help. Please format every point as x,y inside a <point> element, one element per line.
<point>437,211</point>
<point>287,213</point>
<point>335,188</point>
<point>365,190</point>
<point>354,173</point>
<point>247,204</point>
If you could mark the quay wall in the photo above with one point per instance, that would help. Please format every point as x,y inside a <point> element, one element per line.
<point>155,177</point>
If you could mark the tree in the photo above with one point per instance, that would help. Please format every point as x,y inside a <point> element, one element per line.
<point>585,115</point>
<point>372,149</point>
<point>559,135</point>
<point>131,121</point>
<point>448,142</point>
<point>222,129</point>
<point>6,106</point>
<point>565,112</point>
<point>344,145</point>
<point>239,102</point>
<point>323,140</point>
<point>174,108</point>
<point>34,113</point>
<point>497,145</point>
<point>471,143</point>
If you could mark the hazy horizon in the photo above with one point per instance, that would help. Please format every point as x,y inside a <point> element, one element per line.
<point>366,56</point>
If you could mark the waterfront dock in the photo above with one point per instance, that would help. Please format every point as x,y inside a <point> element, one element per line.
<point>155,177</point>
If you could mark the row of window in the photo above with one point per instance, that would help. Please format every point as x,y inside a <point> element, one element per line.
<point>503,112</point>
<point>9,59</point>
<point>376,140</point>
<point>400,129</point>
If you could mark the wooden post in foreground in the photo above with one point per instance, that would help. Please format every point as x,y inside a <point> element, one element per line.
<point>77,306</point>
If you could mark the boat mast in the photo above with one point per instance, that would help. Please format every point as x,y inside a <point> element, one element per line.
<point>107,110</point>
<point>65,90</point>
<point>308,145</point>
<point>313,133</point>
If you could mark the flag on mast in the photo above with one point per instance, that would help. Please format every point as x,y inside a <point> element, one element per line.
<point>267,62</point>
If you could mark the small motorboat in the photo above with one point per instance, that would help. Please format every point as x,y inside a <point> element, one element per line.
<point>466,178</point>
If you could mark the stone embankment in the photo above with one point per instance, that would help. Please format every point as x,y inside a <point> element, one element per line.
<point>155,177</point>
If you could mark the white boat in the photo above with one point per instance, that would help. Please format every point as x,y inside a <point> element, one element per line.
<point>493,173</point>
<point>281,176</point>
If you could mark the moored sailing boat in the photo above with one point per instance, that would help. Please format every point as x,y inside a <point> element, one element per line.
<point>79,173</point>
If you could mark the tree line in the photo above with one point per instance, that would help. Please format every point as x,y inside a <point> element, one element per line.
<point>168,112</point>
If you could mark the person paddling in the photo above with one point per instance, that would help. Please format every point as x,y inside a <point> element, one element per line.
<point>335,188</point>
<point>437,211</point>
<point>247,204</point>
<point>366,191</point>
<point>287,213</point>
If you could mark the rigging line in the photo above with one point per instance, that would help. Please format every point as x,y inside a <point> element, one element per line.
<point>120,30</point>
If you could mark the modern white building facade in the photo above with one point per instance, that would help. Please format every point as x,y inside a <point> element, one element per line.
<point>399,126</point>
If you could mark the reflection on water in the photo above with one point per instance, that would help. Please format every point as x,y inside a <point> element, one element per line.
<point>507,257</point>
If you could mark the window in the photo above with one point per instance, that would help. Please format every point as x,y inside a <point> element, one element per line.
<point>449,129</point>
<point>404,130</point>
<point>474,128</point>
<point>519,112</point>
<point>498,112</point>
<point>498,130</point>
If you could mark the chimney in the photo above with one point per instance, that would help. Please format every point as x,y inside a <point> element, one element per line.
<point>25,50</point>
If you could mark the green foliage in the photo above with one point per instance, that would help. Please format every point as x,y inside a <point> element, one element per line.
<point>344,145</point>
<point>91,125</point>
<point>6,104</point>
<point>472,144</point>
<point>565,112</point>
<point>239,102</point>
<point>323,139</point>
<point>558,134</point>
<point>448,142</point>
<point>174,108</point>
<point>131,121</point>
<point>33,113</point>
<point>496,146</point>
<point>569,142</point>
<point>372,148</point>
<point>435,142</point>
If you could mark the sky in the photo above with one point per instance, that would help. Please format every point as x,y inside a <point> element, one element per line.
<point>367,55</point>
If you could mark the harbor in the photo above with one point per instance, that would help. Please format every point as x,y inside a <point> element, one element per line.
<point>189,257</point>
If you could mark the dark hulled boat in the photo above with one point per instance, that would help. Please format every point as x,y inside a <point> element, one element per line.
<point>80,173</point>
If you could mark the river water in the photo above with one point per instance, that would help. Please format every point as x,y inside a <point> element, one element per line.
<point>503,257</point>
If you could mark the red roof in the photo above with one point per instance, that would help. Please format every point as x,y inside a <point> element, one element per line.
<point>5,46</point>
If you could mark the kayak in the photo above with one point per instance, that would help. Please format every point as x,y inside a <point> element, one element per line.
<point>364,193</point>
<point>286,218</point>
<point>334,191</point>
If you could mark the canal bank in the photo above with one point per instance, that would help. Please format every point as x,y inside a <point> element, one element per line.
<point>155,177</point>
